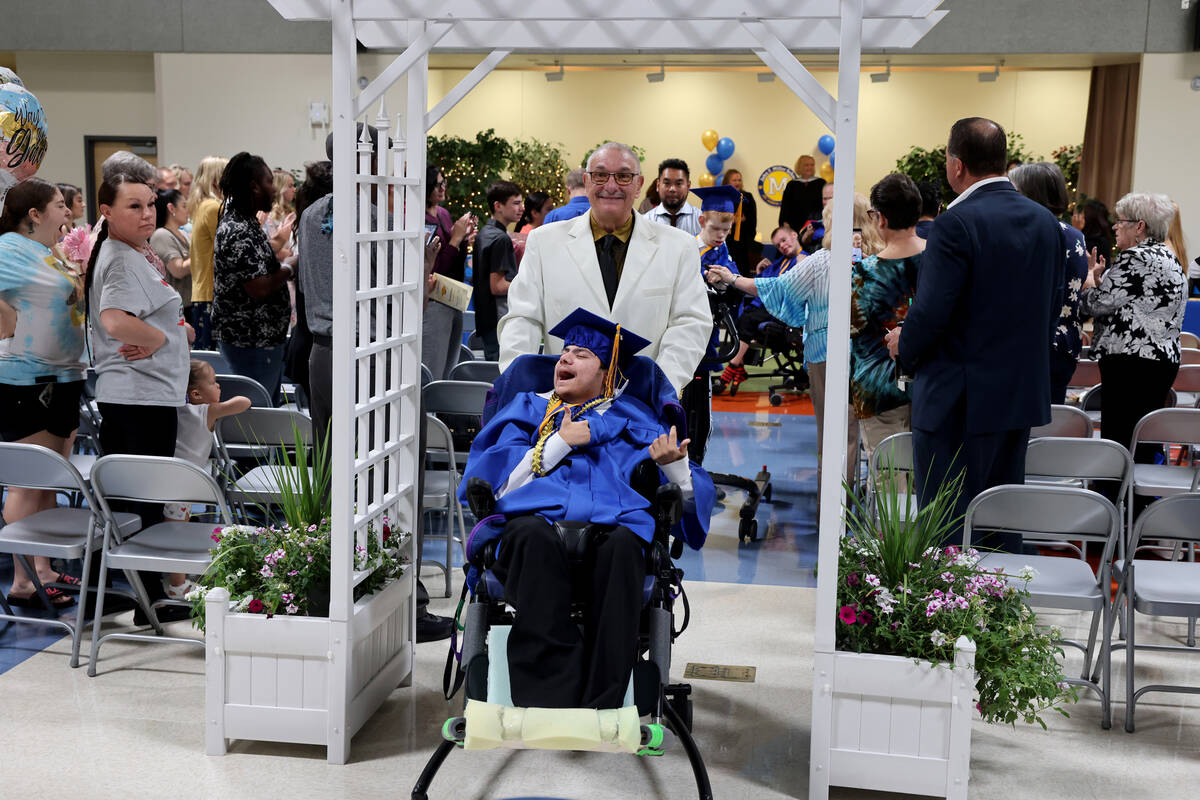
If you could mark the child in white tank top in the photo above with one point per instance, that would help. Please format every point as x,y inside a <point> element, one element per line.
<point>194,443</point>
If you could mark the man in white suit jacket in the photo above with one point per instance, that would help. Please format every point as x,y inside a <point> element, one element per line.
<point>660,293</point>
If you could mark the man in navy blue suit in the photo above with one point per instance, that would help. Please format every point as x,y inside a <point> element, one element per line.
<point>977,337</point>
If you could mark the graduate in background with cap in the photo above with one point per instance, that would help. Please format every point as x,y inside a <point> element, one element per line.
<point>569,454</point>
<point>719,207</point>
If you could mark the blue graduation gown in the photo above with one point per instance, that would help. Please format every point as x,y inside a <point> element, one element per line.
<point>590,484</point>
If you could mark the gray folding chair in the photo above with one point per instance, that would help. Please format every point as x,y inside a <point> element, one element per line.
<point>1066,514</point>
<point>459,404</point>
<point>235,385</point>
<point>1160,588</point>
<point>266,430</point>
<point>1064,421</point>
<point>426,375</point>
<point>485,371</point>
<point>468,322</point>
<point>1189,355</point>
<point>219,363</point>
<point>441,490</point>
<point>1188,339</point>
<point>1166,426</point>
<point>1187,385</point>
<point>168,546</point>
<point>66,533</point>
<point>894,456</point>
<point>465,353</point>
<point>1089,403</point>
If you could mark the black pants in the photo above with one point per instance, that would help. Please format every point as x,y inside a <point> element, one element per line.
<point>1062,368</point>
<point>696,400</point>
<point>551,664</point>
<point>1133,387</point>
<point>988,459</point>
<point>140,431</point>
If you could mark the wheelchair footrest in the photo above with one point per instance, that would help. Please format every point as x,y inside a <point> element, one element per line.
<point>617,730</point>
<point>653,737</point>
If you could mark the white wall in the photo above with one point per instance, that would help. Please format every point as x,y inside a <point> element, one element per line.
<point>96,94</point>
<point>765,120</point>
<point>221,103</point>
<point>1166,155</point>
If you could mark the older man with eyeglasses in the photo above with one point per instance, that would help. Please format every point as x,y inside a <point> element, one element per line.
<point>645,277</point>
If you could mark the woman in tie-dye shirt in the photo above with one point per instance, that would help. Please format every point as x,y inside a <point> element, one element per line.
<point>41,356</point>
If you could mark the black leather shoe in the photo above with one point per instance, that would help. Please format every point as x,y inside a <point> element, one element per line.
<point>165,614</point>
<point>432,628</point>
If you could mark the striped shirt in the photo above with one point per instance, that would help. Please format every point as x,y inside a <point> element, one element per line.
<point>800,298</point>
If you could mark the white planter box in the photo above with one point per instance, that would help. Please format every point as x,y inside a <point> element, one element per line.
<point>281,679</point>
<point>892,724</point>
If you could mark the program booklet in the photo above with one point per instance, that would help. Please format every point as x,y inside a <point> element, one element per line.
<point>450,292</point>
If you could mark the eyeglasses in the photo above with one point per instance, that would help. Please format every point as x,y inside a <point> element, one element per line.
<point>873,213</point>
<point>1129,221</point>
<point>600,177</point>
<point>440,184</point>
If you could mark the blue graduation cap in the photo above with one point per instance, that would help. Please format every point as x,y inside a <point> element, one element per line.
<point>608,340</point>
<point>722,198</point>
<point>718,198</point>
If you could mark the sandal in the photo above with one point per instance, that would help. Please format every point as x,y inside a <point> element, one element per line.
<point>70,581</point>
<point>58,599</point>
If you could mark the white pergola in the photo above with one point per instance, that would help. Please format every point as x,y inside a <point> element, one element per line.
<point>771,29</point>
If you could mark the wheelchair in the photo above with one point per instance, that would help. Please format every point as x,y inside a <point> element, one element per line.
<point>488,718</point>
<point>777,341</point>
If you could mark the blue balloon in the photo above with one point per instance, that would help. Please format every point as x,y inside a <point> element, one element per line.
<point>714,164</point>
<point>832,160</point>
<point>725,147</point>
<point>825,144</point>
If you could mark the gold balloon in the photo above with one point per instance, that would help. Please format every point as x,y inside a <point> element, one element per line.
<point>706,179</point>
<point>827,172</point>
<point>709,139</point>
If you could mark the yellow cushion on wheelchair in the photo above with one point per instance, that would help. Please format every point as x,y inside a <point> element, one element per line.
<point>610,730</point>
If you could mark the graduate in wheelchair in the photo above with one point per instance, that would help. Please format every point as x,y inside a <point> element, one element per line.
<point>579,481</point>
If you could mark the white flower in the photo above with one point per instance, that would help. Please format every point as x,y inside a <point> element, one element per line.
<point>292,608</point>
<point>1027,573</point>
<point>938,638</point>
<point>872,579</point>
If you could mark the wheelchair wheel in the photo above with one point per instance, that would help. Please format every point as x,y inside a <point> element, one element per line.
<point>776,398</point>
<point>748,530</point>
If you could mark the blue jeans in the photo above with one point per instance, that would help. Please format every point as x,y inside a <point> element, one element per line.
<point>263,364</point>
<point>202,323</point>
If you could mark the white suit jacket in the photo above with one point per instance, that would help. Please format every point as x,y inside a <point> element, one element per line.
<point>661,296</point>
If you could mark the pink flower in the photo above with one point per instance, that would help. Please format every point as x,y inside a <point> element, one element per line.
<point>255,606</point>
<point>865,617</point>
<point>847,615</point>
<point>266,572</point>
<point>852,579</point>
<point>77,245</point>
<point>872,579</point>
<point>292,608</point>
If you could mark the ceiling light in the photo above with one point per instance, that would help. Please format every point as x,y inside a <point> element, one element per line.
<point>882,77</point>
<point>990,77</point>
<point>657,77</point>
<point>766,77</point>
<point>555,76</point>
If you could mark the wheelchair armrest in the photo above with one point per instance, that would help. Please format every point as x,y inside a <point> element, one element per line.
<point>480,497</point>
<point>668,507</point>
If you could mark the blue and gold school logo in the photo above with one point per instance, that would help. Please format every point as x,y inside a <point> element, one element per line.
<point>772,183</point>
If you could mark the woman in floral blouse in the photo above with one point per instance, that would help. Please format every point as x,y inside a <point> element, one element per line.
<point>251,308</point>
<point>1044,184</point>
<point>1140,302</point>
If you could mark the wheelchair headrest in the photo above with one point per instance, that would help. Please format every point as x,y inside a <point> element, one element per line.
<point>535,373</point>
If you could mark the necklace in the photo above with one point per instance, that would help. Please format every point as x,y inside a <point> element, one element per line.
<point>551,422</point>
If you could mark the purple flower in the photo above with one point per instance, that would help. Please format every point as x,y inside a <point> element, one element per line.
<point>852,579</point>
<point>847,615</point>
<point>948,576</point>
<point>865,617</point>
<point>287,597</point>
<point>294,572</point>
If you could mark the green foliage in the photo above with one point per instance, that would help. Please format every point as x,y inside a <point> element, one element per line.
<point>1068,158</point>
<point>469,166</point>
<point>539,167</point>
<point>285,570</point>
<point>900,593</point>
<point>640,152</point>
<point>930,165</point>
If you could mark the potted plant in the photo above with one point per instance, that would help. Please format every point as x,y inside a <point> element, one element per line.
<point>274,658</point>
<point>924,634</point>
